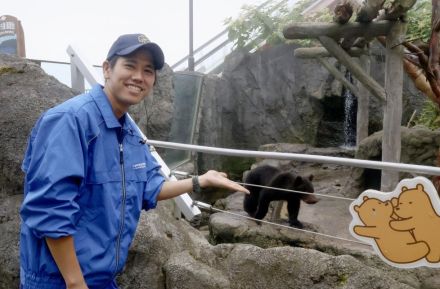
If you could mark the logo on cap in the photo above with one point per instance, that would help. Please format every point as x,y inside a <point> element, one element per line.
<point>143,39</point>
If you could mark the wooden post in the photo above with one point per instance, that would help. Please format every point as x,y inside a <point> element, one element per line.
<point>314,52</point>
<point>363,96</point>
<point>391,141</point>
<point>305,30</point>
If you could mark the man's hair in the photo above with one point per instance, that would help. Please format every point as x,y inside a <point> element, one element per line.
<point>112,61</point>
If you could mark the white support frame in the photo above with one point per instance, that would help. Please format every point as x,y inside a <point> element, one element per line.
<point>83,69</point>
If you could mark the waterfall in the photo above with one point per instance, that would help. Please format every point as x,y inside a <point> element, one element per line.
<point>350,110</point>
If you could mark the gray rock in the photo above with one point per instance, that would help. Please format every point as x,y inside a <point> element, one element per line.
<point>184,272</point>
<point>9,250</point>
<point>420,146</point>
<point>25,92</point>
<point>431,283</point>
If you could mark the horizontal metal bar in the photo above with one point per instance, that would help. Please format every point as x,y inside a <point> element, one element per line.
<point>41,61</point>
<point>181,61</point>
<point>429,170</point>
<point>224,32</point>
<point>214,50</point>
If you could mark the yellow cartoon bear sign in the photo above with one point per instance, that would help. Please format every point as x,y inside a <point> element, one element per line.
<point>403,226</point>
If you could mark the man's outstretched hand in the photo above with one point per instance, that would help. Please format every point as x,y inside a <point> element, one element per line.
<point>220,180</point>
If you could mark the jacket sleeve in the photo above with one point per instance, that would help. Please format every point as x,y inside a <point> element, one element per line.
<point>55,168</point>
<point>154,183</point>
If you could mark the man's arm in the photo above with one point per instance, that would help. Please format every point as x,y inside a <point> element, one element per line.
<point>63,251</point>
<point>173,189</point>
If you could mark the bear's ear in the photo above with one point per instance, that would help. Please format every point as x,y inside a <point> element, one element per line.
<point>404,189</point>
<point>298,181</point>
<point>420,187</point>
<point>311,178</point>
<point>394,202</point>
<point>365,198</point>
<point>356,208</point>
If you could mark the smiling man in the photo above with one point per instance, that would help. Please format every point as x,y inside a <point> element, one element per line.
<point>89,175</point>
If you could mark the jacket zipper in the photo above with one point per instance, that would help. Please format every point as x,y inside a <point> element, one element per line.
<point>124,194</point>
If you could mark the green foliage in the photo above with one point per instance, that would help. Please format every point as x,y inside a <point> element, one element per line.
<point>254,26</point>
<point>430,115</point>
<point>419,20</point>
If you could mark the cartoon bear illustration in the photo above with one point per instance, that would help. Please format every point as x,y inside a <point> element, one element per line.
<point>395,246</point>
<point>256,204</point>
<point>417,214</point>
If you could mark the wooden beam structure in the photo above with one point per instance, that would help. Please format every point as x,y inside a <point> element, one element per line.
<point>304,30</point>
<point>389,23</point>
<point>339,76</point>
<point>397,9</point>
<point>315,52</point>
<point>391,140</point>
<point>375,88</point>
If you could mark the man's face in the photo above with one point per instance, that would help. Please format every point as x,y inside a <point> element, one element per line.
<point>130,80</point>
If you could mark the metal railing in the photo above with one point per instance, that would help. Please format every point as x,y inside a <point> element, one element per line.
<point>222,43</point>
<point>402,167</point>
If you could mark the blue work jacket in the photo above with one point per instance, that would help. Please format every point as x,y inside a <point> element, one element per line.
<point>82,182</point>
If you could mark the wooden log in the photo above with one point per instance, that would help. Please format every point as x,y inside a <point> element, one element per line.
<point>314,52</point>
<point>339,76</point>
<point>305,30</point>
<point>391,140</point>
<point>375,88</point>
<point>397,9</point>
<point>369,10</point>
<point>362,118</point>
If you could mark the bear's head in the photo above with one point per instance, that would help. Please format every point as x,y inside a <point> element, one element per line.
<point>305,185</point>
<point>412,202</point>
<point>373,212</point>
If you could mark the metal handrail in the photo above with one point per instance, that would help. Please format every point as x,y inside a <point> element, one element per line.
<point>402,167</point>
<point>40,61</point>
<point>223,44</point>
<point>206,44</point>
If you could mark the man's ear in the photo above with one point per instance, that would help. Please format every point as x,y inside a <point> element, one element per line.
<point>106,69</point>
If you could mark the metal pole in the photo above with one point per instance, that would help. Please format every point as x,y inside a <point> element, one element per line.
<point>429,170</point>
<point>191,48</point>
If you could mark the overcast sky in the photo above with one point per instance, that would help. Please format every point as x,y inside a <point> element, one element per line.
<point>92,25</point>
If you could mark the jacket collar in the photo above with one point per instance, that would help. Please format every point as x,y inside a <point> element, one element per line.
<point>104,106</point>
<point>106,110</point>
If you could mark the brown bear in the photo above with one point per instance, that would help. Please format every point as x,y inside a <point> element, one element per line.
<point>256,204</point>
<point>395,246</point>
<point>417,214</point>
